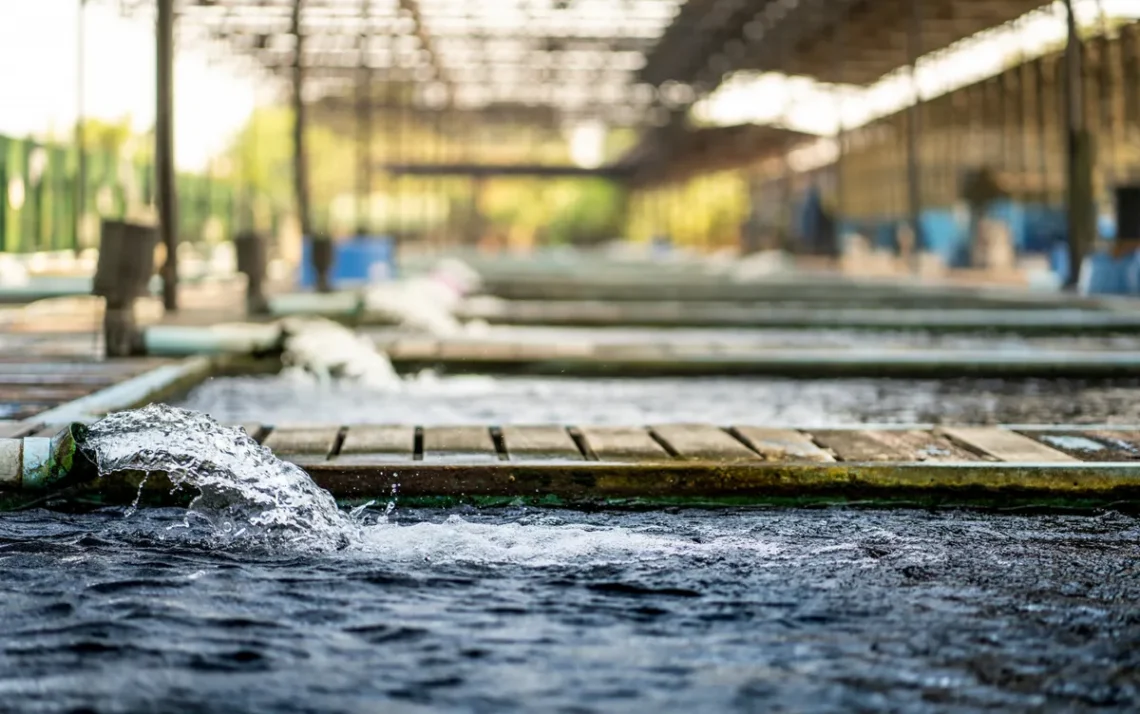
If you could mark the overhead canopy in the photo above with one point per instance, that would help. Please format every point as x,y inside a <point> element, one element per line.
<point>671,153</point>
<point>849,41</point>
<point>578,56</point>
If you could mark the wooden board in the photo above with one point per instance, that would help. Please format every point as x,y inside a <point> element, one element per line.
<point>14,429</point>
<point>619,443</point>
<point>254,429</point>
<point>415,349</point>
<point>302,444</point>
<point>450,443</point>
<point>704,441</point>
<point>783,444</point>
<point>540,443</point>
<point>1004,445</point>
<point>377,443</point>
<point>891,445</point>
<point>48,431</point>
<point>1094,445</point>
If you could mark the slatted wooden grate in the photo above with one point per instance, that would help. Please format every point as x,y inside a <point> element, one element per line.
<point>904,444</point>
<point>696,464</point>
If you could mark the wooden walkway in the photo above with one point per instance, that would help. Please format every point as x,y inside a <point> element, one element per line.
<point>678,464</point>
<point>834,289</point>
<point>585,358</point>
<point>31,385</point>
<point>701,464</point>
<point>593,313</point>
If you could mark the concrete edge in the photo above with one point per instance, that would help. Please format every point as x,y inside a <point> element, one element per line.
<point>135,392</point>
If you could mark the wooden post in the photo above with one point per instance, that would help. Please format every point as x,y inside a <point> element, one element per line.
<point>80,135</point>
<point>913,132</point>
<point>1078,153</point>
<point>364,128</point>
<point>300,163</point>
<point>164,152</point>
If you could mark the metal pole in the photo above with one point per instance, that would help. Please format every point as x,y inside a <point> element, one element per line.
<point>839,62</point>
<point>1078,153</point>
<point>80,133</point>
<point>1041,110</point>
<point>913,170</point>
<point>364,129</point>
<point>300,163</point>
<point>164,152</point>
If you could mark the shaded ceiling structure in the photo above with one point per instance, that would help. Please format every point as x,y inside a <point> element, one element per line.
<point>840,41</point>
<point>579,57</point>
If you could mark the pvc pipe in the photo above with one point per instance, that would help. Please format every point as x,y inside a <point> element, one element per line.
<point>36,463</point>
<point>322,304</point>
<point>240,338</point>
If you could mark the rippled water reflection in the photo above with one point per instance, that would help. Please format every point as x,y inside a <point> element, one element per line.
<point>817,611</point>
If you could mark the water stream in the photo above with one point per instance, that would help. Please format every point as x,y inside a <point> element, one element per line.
<point>242,490</point>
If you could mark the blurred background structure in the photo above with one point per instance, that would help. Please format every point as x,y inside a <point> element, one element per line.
<point>992,136</point>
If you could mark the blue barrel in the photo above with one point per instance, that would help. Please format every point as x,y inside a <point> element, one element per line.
<point>356,262</point>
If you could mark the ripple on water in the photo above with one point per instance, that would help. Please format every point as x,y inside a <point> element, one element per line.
<point>818,611</point>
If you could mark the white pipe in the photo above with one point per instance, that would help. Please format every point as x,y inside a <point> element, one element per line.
<point>319,304</point>
<point>238,338</point>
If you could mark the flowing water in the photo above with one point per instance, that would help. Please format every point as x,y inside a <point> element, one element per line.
<point>263,596</point>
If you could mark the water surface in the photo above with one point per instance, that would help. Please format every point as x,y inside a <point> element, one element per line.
<point>520,610</point>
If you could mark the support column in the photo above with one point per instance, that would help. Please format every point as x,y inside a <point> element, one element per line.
<point>1078,154</point>
<point>320,254</point>
<point>839,62</point>
<point>80,201</point>
<point>364,128</point>
<point>913,133</point>
<point>166,191</point>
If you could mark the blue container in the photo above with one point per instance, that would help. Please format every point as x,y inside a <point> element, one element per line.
<point>944,235</point>
<point>886,236</point>
<point>1033,228</point>
<point>356,262</point>
<point>1102,275</point>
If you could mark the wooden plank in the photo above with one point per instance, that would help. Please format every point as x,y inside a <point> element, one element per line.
<point>620,443</point>
<point>1005,445</point>
<point>378,444</point>
<point>526,443</point>
<point>414,349</point>
<point>15,429</point>
<point>1124,442</point>
<point>455,443</point>
<point>1101,445</point>
<point>252,428</point>
<point>302,444</point>
<point>704,441</point>
<point>783,444</point>
<point>48,431</point>
<point>905,446</point>
<point>478,351</point>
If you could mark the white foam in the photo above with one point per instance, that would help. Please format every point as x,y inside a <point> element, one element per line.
<point>538,544</point>
<point>321,351</point>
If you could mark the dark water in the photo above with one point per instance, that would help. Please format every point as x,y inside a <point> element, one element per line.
<point>747,611</point>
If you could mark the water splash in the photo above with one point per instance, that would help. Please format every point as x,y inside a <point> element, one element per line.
<point>245,493</point>
<point>247,498</point>
<point>323,352</point>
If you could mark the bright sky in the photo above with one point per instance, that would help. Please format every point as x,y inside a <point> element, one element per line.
<point>38,88</point>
